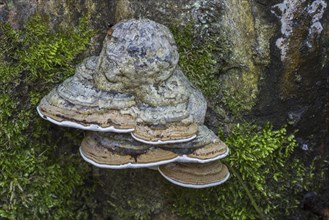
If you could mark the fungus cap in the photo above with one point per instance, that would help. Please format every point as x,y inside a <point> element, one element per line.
<point>195,175</point>
<point>116,151</point>
<point>122,154</point>
<point>77,103</point>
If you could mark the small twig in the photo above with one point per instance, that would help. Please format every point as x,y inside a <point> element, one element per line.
<point>251,198</point>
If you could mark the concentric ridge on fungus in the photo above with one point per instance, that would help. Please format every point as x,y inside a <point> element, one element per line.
<point>135,87</point>
<point>195,175</point>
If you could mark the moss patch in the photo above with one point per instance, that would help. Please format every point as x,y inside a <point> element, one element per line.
<point>239,89</point>
<point>266,182</point>
<point>197,60</point>
<point>208,63</point>
<point>40,177</point>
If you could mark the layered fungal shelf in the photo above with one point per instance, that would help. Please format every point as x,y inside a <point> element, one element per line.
<point>140,109</point>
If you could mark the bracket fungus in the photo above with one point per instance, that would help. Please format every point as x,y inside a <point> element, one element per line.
<point>117,151</point>
<point>136,87</point>
<point>195,175</point>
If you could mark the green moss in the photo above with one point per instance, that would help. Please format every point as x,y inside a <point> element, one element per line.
<point>266,181</point>
<point>208,64</point>
<point>239,89</point>
<point>39,179</point>
<point>197,61</point>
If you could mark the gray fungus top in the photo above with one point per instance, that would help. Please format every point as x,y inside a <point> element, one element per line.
<point>137,52</point>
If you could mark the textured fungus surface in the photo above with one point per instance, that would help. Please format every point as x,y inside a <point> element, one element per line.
<point>117,151</point>
<point>137,52</point>
<point>77,103</point>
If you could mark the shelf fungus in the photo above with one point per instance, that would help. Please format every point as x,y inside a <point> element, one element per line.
<point>195,175</point>
<point>118,151</point>
<point>136,87</point>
